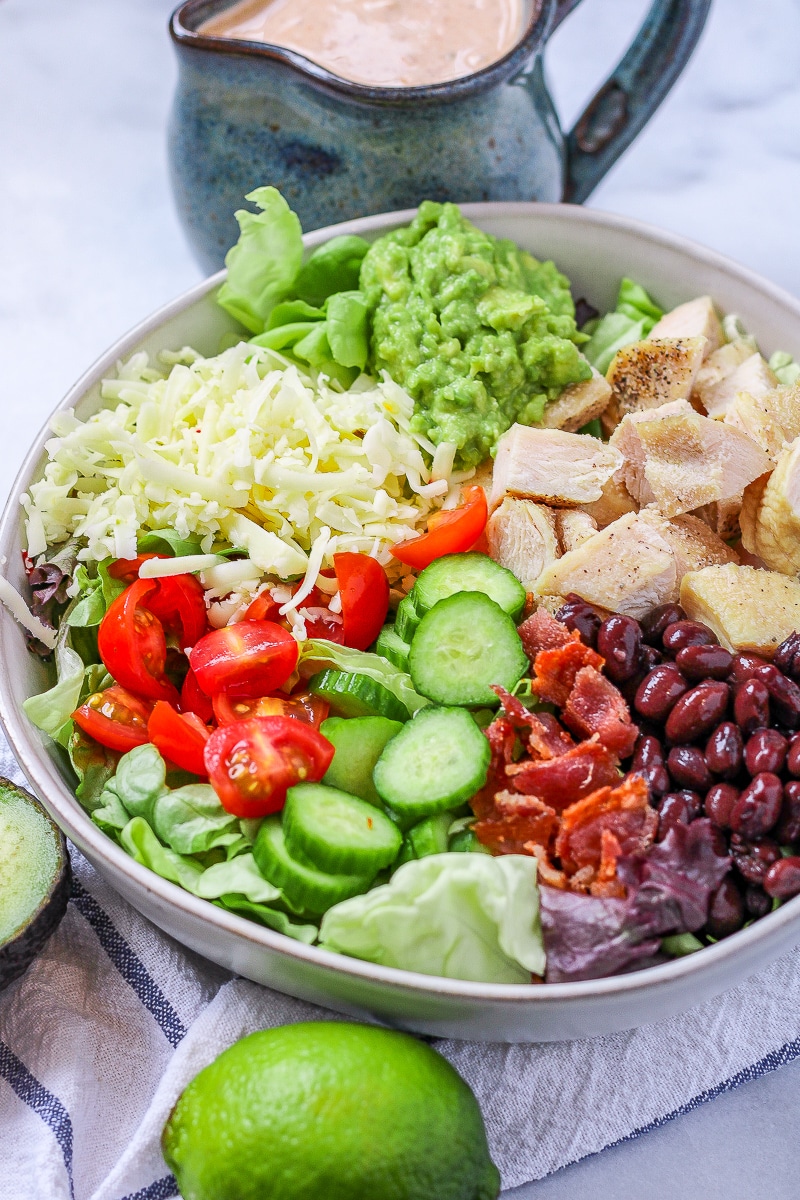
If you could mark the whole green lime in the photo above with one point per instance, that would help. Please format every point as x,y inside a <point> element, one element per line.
<point>329,1111</point>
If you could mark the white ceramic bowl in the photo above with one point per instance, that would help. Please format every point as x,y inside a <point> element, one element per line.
<point>594,249</point>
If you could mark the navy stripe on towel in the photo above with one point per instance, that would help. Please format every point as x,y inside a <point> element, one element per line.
<point>130,967</point>
<point>43,1102</point>
<point>162,1189</point>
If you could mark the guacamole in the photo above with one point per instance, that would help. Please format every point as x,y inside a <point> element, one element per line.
<point>478,331</point>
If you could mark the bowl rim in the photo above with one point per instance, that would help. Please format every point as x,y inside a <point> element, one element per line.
<point>77,824</point>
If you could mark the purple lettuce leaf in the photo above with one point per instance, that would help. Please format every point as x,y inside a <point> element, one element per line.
<point>669,885</point>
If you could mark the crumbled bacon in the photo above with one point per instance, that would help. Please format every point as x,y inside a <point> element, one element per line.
<point>623,811</point>
<point>547,873</point>
<point>574,774</point>
<point>548,738</point>
<point>543,632</point>
<point>555,670</point>
<point>513,709</point>
<point>605,882</point>
<point>514,821</point>
<point>596,706</point>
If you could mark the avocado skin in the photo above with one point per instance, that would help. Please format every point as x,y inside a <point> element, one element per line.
<point>17,954</point>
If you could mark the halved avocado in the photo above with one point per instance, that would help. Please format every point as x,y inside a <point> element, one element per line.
<point>35,879</point>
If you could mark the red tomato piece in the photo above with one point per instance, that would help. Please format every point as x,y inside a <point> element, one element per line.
<point>448,532</point>
<point>302,705</point>
<point>263,608</point>
<point>132,644</point>
<point>194,700</point>
<point>115,718</point>
<point>179,605</point>
<point>128,568</point>
<point>251,764</point>
<point>180,737</point>
<point>322,623</point>
<point>246,660</point>
<point>364,591</point>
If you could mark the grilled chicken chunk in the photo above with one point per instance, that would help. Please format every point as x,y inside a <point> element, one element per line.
<point>693,544</point>
<point>696,318</point>
<point>749,610</point>
<point>752,376</point>
<point>578,404</point>
<point>614,503</point>
<point>522,537</point>
<point>722,516</point>
<point>684,461</point>
<point>770,516</point>
<point>627,567</point>
<point>771,420</point>
<point>562,469</point>
<point>574,527</point>
<point>625,438</point>
<point>720,364</point>
<point>649,374</point>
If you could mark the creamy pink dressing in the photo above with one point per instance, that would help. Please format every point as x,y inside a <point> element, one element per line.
<point>386,43</point>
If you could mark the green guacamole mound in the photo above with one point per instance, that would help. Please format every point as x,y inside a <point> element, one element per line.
<point>478,331</point>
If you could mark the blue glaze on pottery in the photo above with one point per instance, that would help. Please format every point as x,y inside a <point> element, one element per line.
<point>246,114</point>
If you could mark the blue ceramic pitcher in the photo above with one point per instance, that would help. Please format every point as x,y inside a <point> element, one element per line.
<point>247,114</point>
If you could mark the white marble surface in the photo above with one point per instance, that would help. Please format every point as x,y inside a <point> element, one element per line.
<point>89,244</point>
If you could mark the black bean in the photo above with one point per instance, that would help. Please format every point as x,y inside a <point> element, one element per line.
<point>787,656</point>
<point>619,640</point>
<point>788,829</point>
<point>576,613</point>
<point>744,665</point>
<point>648,761</point>
<point>687,766</point>
<point>719,803</point>
<point>704,662</point>
<point>725,910</point>
<point>783,693</point>
<point>765,751</point>
<point>756,901</point>
<point>656,621</point>
<point>782,880</point>
<point>687,633</point>
<point>757,810</point>
<point>696,713</point>
<point>753,859</point>
<point>751,706</point>
<point>725,750</point>
<point>675,809</point>
<point>660,689</point>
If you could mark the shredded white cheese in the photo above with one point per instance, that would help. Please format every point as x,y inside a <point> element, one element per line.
<point>239,449</point>
<point>19,610</point>
<point>187,564</point>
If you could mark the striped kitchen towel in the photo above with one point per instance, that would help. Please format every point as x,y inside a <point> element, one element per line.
<point>99,1037</point>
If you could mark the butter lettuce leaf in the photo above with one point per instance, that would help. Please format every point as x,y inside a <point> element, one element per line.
<point>333,267</point>
<point>634,316</point>
<point>264,263</point>
<point>461,916</point>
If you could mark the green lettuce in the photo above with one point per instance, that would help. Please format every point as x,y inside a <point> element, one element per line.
<point>462,916</point>
<point>316,653</point>
<point>264,263</point>
<point>333,267</point>
<point>191,819</point>
<point>633,318</point>
<point>785,367</point>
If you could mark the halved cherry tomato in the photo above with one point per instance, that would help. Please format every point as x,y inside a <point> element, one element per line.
<point>181,737</point>
<point>263,608</point>
<point>115,718</point>
<point>132,644</point>
<point>448,532</point>
<point>194,700</point>
<point>364,591</point>
<point>245,660</point>
<point>128,568</point>
<point>179,605</point>
<point>302,705</point>
<point>322,623</point>
<point>251,764</point>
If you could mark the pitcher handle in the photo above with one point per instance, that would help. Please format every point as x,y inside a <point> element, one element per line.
<point>632,93</point>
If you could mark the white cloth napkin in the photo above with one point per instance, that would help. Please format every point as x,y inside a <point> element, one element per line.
<point>101,1034</point>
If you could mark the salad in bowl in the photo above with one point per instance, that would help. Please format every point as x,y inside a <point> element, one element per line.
<point>437,619</point>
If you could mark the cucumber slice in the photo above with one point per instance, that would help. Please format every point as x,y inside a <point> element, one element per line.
<point>427,837</point>
<point>464,644</point>
<point>390,645</point>
<point>436,761</point>
<point>337,832</point>
<point>466,842</point>
<point>306,888</point>
<point>407,618</point>
<point>352,695</point>
<point>468,573</point>
<point>358,742</point>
